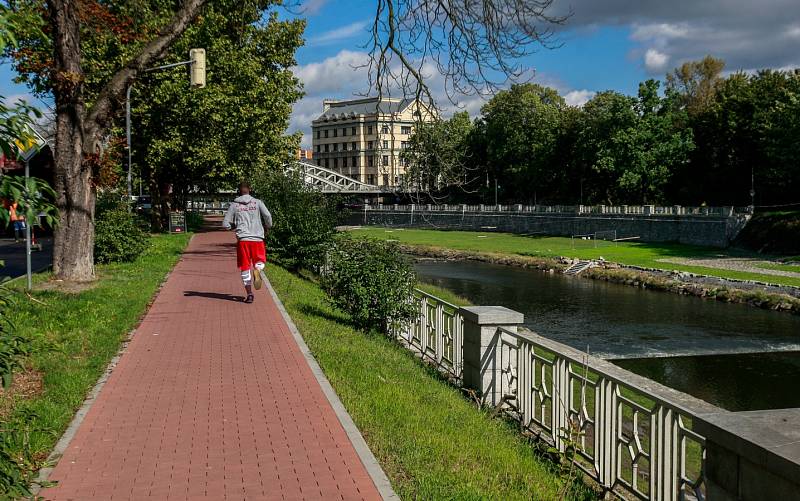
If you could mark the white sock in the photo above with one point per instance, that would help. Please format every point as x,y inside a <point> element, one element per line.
<point>246,279</point>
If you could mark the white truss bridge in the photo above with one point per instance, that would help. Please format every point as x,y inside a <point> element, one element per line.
<point>329,181</point>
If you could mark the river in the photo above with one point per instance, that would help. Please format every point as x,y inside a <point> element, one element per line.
<point>734,356</point>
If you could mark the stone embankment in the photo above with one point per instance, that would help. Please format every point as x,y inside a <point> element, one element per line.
<point>758,294</point>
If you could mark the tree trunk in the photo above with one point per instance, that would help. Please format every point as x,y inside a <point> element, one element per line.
<point>79,133</point>
<point>73,253</point>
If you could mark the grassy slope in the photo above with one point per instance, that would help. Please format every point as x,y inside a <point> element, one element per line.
<point>430,440</point>
<point>630,253</point>
<point>78,334</point>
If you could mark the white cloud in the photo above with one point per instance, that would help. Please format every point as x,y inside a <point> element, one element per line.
<point>655,60</point>
<point>745,33</point>
<point>15,99</point>
<point>659,31</point>
<point>339,34</point>
<point>578,97</point>
<point>312,7</point>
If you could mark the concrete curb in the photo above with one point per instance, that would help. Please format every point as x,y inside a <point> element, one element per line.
<point>374,469</point>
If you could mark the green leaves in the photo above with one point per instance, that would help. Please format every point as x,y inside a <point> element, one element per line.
<point>34,198</point>
<point>304,220</point>
<point>371,281</point>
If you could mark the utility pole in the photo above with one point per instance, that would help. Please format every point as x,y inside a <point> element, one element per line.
<point>495,192</point>
<point>752,190</point>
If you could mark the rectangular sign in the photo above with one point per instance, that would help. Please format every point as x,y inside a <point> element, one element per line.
<point>177,222</point>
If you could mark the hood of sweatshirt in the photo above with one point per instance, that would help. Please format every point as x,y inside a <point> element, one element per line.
<point>244,199</point>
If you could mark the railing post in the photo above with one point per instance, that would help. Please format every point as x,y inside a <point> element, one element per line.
<point>665,454</point>
<point>481,342</point>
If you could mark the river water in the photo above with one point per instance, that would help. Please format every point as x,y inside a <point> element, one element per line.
<point>734,356</point>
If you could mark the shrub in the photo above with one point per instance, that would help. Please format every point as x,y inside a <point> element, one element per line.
<point>371,281</point>
<point>118,237</point>
<point>304,220</point>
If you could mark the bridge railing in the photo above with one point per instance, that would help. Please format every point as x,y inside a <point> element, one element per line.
<point>634,437</point>
<point>643,210</point>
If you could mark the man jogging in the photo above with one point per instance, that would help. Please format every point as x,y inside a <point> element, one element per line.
<point>244,215</point>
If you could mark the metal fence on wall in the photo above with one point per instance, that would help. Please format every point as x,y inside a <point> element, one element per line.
<point>634,437</point>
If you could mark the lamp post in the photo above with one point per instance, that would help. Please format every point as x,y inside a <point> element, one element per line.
<point>197,79</point>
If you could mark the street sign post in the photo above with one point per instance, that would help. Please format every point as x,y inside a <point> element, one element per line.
<point>27,149</point>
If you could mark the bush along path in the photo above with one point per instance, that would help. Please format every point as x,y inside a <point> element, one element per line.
<point>69,335</point>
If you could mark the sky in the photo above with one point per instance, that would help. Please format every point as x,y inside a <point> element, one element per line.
<point>605,44</point>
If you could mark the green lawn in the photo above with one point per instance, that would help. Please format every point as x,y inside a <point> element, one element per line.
<point>431,441</point>
<point>74,336</point>
<point>630,253</point>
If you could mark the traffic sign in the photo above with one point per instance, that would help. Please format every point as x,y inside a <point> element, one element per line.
<point>29,146</point>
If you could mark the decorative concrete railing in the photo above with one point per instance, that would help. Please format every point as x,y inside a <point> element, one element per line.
<point>634,437</point>
<point>642,210</point>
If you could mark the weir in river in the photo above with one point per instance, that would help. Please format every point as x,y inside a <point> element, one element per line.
<point>733,356</point>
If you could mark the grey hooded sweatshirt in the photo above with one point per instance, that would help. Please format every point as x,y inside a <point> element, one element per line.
<point>244,215</point>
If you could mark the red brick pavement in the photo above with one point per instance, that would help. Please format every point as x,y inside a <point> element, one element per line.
<point>212,399</point>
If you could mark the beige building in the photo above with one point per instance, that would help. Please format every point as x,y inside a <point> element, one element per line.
<point>363,138</point>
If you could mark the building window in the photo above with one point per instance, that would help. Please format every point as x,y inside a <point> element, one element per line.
<point>355,162</point>
<point>406,129</point>
<point>317,134</point>
<point>344,146</point>
<point>326,148</point>
<point>385,129</point>
<point>344,131</point>
<point>385,161</point>
<point>326,133</point>
<point>371,161</point>
<point>327,162</point>
<point>404,144</point>
<point>335,163</point>
<point>354,146</point>
<point>317,148</point>
<point>335,146</point>
<point>385,179</point>
<point>385,144</point>
<point>371,179</point>
<point>352,131</point>
<point>319,162</point>
<point>335,132</point>
<point>369,145</point>
<point>344,162</point>
<point>369,129</point>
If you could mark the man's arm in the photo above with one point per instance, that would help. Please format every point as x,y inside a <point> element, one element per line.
<point>226,223</point>
<point>265,214</point>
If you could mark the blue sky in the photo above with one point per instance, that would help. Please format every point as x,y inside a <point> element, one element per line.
<point>606,44</point>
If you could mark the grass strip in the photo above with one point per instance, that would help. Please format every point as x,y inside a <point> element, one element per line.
<point>432,443</point>
<point>647,255</point>
<point>73,336</point>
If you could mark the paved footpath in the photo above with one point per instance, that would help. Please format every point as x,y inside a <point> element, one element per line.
<point>214,399</point>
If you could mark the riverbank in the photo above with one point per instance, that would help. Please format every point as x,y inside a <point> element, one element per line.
<point>703,286</point>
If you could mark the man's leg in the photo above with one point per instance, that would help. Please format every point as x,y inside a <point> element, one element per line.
<point>259,256</point>
<point>244,263</point>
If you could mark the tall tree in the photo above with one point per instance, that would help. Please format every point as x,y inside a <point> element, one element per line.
<point>695,83</point>
<point>438,154</point>
<point>87,101</point>
<point>521,127</point>
<point>233,128</point>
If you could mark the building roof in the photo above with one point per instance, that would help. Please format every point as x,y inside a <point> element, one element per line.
<point>338,110</point>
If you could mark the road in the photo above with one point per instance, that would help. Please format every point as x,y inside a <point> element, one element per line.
<point>13,256</point>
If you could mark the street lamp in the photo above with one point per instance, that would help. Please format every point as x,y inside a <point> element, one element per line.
<point>197,79</point>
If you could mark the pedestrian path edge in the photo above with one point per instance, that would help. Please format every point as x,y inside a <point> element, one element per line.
<point>368,459</point>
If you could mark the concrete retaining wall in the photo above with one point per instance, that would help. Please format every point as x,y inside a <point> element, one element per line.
<point>715,231</point>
